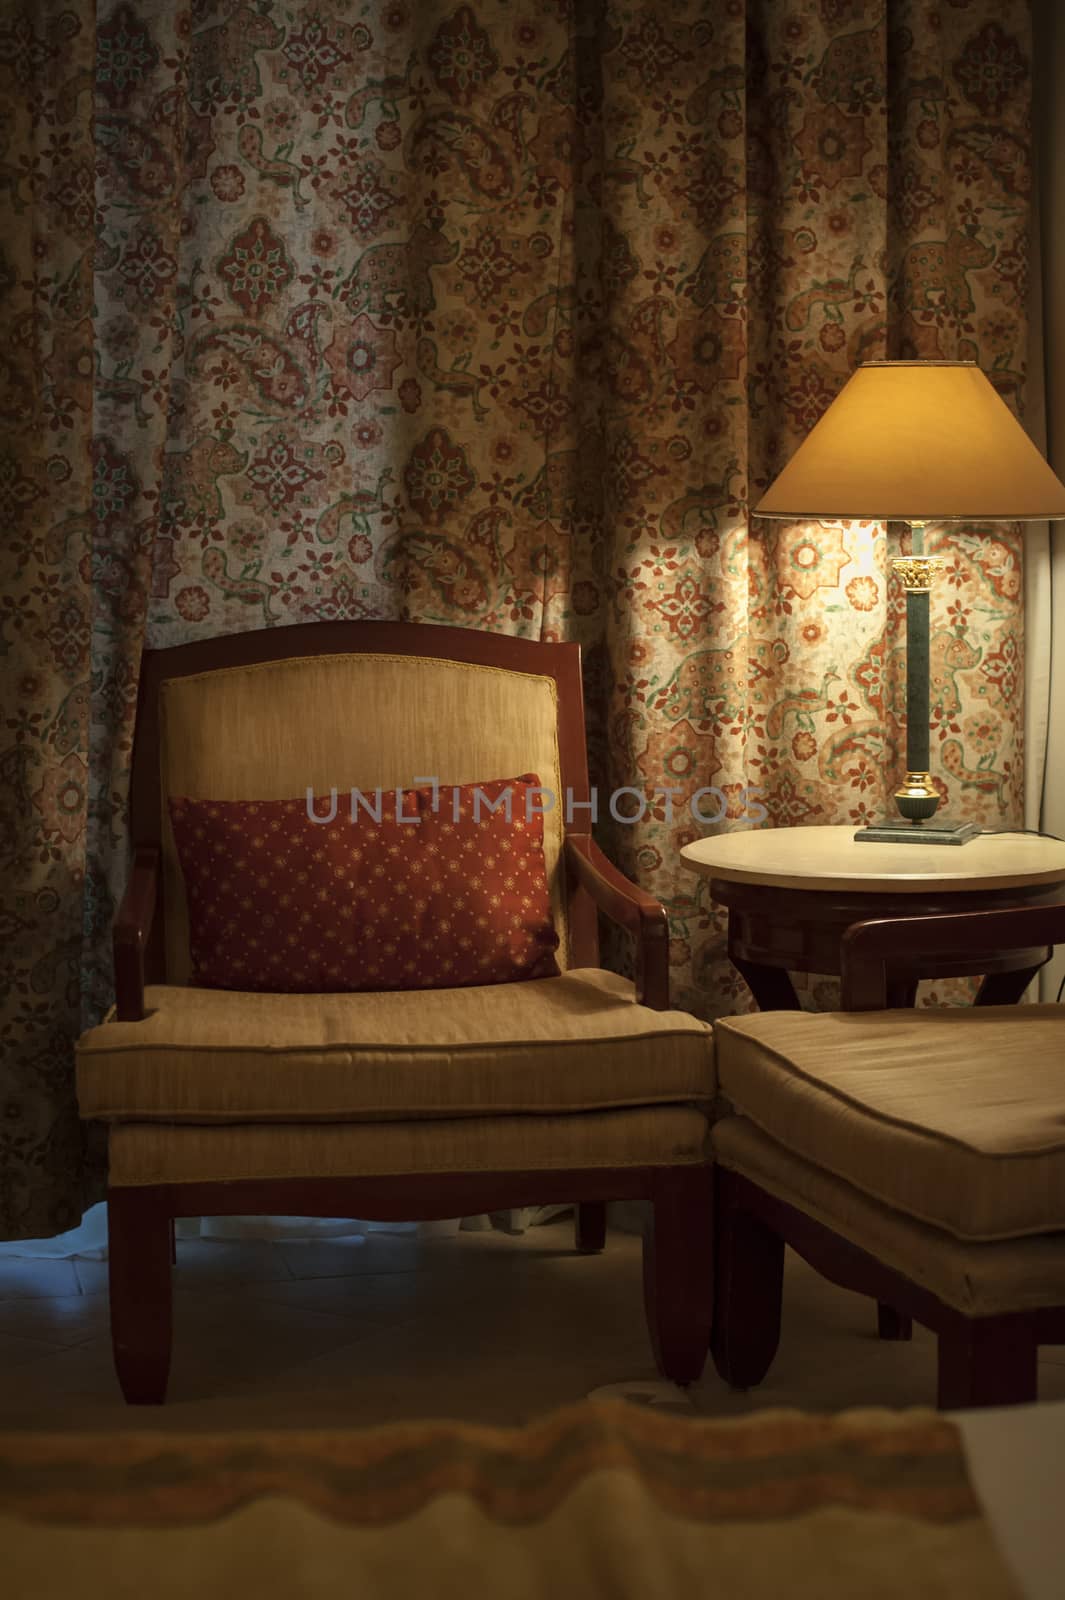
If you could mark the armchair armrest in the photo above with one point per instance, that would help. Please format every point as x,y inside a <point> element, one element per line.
<point>132,925</point>
<point>631,908</point>
<point>868,949</point>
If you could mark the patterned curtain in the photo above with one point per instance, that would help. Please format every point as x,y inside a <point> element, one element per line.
<point>497,314</point>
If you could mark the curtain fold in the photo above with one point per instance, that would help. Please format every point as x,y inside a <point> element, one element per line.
<point>499,315</point>
<point>47,394</point>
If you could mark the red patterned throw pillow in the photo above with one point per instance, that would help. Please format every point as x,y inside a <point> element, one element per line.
<point>444,889</point>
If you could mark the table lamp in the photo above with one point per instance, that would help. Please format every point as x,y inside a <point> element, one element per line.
<point>916,442</point>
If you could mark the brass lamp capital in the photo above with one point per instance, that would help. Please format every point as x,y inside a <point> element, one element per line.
<point>917,798</point>
<point>916,572</point>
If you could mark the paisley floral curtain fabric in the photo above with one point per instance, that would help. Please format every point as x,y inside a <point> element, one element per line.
<point>47,599</point>
<point>497,314</point>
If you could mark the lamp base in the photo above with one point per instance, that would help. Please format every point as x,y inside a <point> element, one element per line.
<point>896,830</point>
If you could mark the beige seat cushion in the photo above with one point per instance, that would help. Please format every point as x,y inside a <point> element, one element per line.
<point>953,1116</point>
<point>578,1042</point>
<point>157,1152</point>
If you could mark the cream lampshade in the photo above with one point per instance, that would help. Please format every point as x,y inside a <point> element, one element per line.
<point>917,441</point>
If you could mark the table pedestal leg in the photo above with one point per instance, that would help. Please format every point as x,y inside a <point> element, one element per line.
<point>1005,988</point>
<point>772,987</point>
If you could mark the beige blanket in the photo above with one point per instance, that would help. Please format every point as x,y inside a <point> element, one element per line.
<point>596,1500</point>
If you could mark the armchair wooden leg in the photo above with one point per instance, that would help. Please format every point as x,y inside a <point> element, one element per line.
<point>591,1226</point>
<point>892,1324</point>
<point>678,1271</point>
<point>988,1361</point>
<point>749,1285</point>
<point>139,1240</point>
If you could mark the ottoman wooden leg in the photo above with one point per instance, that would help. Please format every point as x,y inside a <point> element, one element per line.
<point>139,1277</point>
<point>678,1271</point>
<point>591,1226</point>
<point>892,1324</point>
<point>988,1361</point>
<point>748,1289</point>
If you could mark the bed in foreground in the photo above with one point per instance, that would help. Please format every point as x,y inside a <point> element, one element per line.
<point>596,1500</point>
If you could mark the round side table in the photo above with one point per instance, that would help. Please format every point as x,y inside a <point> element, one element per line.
<point>791,893</point>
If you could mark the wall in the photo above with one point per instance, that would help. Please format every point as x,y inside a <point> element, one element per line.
<point>1049,20</point>
<point>1049,141</point>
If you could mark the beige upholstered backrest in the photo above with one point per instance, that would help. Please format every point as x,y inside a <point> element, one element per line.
<point>272,730</point>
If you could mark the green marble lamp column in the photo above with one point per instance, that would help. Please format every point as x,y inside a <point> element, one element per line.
<point>917,797</point>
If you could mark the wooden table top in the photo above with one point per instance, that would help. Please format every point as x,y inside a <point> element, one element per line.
<point>829,858</point>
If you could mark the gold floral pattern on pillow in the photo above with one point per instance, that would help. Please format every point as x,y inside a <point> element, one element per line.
<point>426,888</point>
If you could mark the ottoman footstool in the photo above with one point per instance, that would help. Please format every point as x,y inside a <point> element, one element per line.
<point>915,1156</point>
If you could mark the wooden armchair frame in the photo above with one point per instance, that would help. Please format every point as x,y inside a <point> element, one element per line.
<point>141,1219</point>
<point>982,1360</point>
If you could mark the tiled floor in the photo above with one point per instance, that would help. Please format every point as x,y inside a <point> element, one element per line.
<point>484,1326</point>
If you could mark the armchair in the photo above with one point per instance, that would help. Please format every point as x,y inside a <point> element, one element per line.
<point>389,1106</point>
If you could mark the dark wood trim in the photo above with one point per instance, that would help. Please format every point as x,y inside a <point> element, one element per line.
<point>774,931</point>
<point>871,949</point>
<point>402,1197</point>
<point>146,802</point>
<point>834,1257</point>
<point>616,897</point>
<point>309,639</point>
<point>982,1360</point>
<point>678,1270</point>
<point>988,1361</point>
<point>771,987</point>
<point>892,1325</point>
<point>590,1227</point>
<point>631,908</point>
<point>678,1275</point>
<point>132,930</point>
<point>1007,988</point>
<point>1050,1324</point>
<point>139,1232</point>
<point>582,915</point>
<point>748,1287</point>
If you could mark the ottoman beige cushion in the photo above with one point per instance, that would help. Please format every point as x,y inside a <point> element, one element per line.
<point>978,1279</point>
<point>577,1043</point>
<point>955,1117</point>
